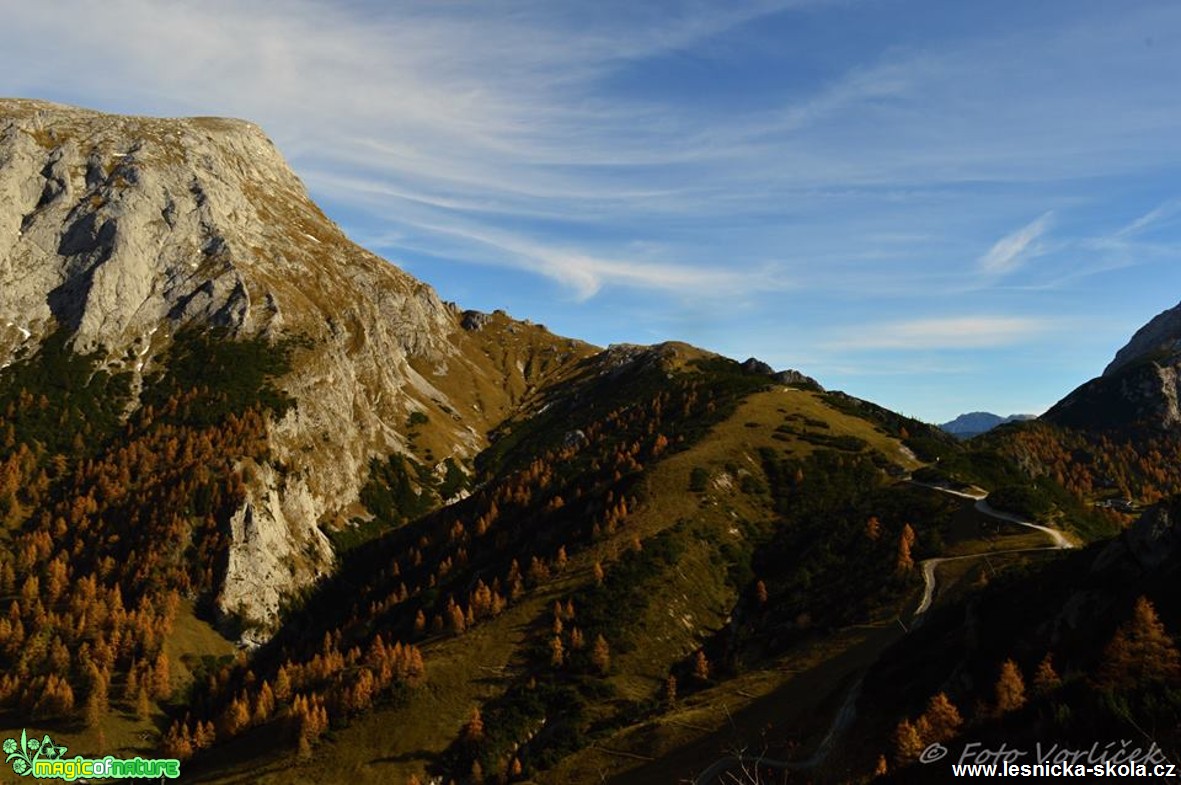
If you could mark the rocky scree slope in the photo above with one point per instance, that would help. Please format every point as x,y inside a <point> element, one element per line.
<point>123,231</point>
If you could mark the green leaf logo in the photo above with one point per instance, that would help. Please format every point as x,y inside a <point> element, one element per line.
<point>21,756</point>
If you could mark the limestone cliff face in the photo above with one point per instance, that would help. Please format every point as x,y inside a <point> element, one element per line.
<point>1160,339</point>
<point>1141,387</point>
<point>124,230</point>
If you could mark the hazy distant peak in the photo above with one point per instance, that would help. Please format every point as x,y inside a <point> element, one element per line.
<point>973,423</point>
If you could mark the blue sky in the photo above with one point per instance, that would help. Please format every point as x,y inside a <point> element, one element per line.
<point>939,206</point>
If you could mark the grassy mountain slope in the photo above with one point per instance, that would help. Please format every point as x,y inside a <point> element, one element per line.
<point>677,477</point>
<point>659,560</point>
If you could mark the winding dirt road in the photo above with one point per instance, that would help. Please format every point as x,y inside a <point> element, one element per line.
<point>1060,540</point>
<point>750,764</point>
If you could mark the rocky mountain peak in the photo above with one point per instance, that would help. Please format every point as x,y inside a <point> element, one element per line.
<point>974,423</point>
<point>1160,339</point>
<point>1141,387</point>
<point>124,231</point>
<point>131,224</point>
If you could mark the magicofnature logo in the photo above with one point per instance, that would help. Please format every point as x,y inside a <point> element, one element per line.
<point>45,760</point>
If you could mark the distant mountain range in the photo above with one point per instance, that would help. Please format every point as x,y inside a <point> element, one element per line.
<point>974,423</point>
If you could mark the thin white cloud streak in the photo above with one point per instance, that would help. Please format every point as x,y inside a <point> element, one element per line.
<point>586,274</point>
<point>1160,214</point>
<point>959,332</point>
<point>1009,252</point>
<point>646,265</point>
<point>1126,246</point>
<point>380,193</point>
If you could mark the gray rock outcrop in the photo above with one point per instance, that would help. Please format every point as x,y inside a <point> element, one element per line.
<point>1155,535</point>
<point>1141,387</point>
<point>125,230</point>
<point>1159,339</point>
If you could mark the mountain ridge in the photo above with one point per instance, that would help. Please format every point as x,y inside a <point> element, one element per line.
<point>1160,336</point>
<point>973,423</point>
<point>1139,389</point>
<point>124,231</point>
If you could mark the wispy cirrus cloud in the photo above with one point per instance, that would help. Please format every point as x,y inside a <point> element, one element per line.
<point>529,112</point>
<point>585,274</point>
<point>1162,213</point>
<point>957,332</point>
<point>1012,250</point>
<point>1142,241</point>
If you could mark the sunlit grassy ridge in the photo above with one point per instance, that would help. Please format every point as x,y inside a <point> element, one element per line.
<point>673,567</point>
